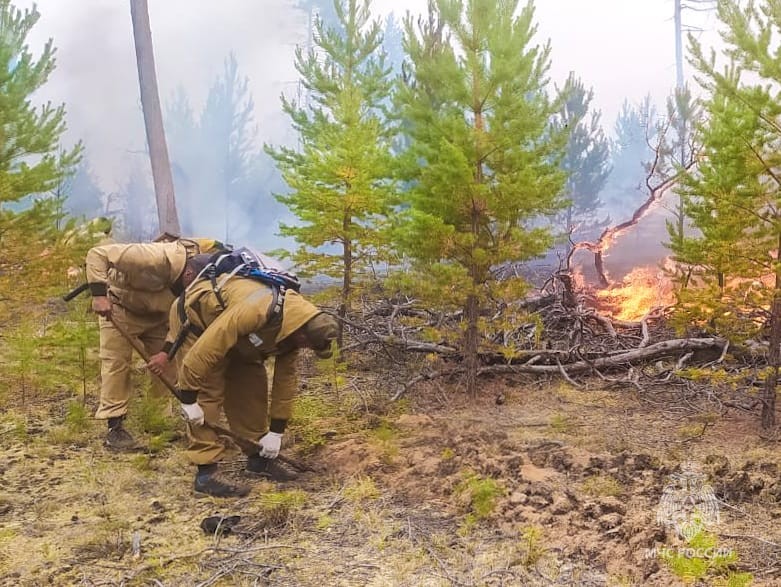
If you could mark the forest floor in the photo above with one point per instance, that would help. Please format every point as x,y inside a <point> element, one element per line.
<point>533,483</point>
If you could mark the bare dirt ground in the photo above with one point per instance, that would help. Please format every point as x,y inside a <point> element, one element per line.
<point>533,483</point>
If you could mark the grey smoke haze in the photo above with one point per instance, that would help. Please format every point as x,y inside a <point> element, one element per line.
<point>623,49</point>
<point>96,72</point>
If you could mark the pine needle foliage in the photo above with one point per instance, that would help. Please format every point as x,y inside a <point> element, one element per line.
<point>734,196</point>
<point>31,158</point>
<point>484,156</point>
<point>340,176</point>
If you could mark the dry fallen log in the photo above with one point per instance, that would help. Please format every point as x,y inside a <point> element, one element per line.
<point>557,333</point>
<point>651,352</point>
<point>625,359</point>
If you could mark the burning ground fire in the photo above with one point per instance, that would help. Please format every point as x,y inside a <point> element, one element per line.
<point>641,290</point>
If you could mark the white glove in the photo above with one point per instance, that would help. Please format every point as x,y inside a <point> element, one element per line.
<point>193,413</point>
<point>270,445</point>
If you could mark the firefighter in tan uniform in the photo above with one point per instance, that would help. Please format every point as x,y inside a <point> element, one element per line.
<point>134,286</point>
<point>221,367</point>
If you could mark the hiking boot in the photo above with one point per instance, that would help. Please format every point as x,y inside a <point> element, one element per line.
<point>208,480</point>
<point>119,439</point>
<point>271,469</point>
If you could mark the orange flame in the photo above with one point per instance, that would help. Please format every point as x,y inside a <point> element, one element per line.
<point>643,289</point>
<point>578,279</point>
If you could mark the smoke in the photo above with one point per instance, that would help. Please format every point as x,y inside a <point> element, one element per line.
<point>614,47</point>
<point>96,75</point>
<point>640,246</point>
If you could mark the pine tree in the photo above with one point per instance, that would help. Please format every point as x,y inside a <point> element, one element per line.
<point>393,43</point>
<point>683,112</point>
<point>188,157</point>
<point>339,178</point>
<point>83,197</point>
<point>718,197</point>
<point>629,154</point>
<point>734,197</point>
<point>225,179</point>
<point>484,158</point>
<point>228,133</point>
<point>322,10</point>
<point>33,165</point>
<point>138,217</point>
<point>31,158</point>
<point>586,161</point>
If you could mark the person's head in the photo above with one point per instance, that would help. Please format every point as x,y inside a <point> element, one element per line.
<point>193,267</point>
<point>317,334</point>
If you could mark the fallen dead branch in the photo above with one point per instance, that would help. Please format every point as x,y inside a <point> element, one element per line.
<point>415,380</point>
<point>665,348</point>
<point>564,336</point>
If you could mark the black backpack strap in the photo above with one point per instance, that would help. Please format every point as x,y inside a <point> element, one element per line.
<point>187,328</point>
<point>216,289</point>
<point>277,303</point>
<point>185,319</point>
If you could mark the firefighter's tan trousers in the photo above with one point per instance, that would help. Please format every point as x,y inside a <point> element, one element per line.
<point>116,358</point>
<point>240,388</point>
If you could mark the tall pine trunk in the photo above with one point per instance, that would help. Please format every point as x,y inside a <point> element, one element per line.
<point>769,393</point>
<point>153,119</point>
<point>471,343</point>
<point>472,305</point>
<point>347,259</point>
<point>774,355</point>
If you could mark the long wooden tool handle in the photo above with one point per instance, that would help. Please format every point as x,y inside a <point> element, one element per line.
<point>141,351</point>
<point>243,443</point>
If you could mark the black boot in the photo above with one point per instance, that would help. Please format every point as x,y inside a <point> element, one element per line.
<point>118,438</point>
<point>208,480</point>
<point>272,469</point>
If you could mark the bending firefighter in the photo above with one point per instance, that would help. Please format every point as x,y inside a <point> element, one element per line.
<point>133,285</point>
<point>230,330</point>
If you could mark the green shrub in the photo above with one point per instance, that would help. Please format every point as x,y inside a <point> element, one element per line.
<point>481,494</point>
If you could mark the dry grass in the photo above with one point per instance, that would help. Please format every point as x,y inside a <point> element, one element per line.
<point>386,506</point>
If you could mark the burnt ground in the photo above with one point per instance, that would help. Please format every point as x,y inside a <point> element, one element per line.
<point>533,483</point>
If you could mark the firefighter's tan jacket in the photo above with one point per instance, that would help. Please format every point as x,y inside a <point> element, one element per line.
<point>246,328</point>
<point>138,276</point>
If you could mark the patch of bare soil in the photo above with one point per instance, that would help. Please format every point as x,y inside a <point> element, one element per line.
<point>530,484</point>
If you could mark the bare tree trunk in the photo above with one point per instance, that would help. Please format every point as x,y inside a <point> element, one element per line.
<point>678,45</point>
<point>774,358</point>
<point>471,343</point>
<point>769,394</point>
<point>774,354</point>
<point>472,305</point>
<point>347,259</point>
<point>153,119</point>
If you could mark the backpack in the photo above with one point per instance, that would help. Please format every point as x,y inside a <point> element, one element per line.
<point>244,262</point>
<point>241,262</point>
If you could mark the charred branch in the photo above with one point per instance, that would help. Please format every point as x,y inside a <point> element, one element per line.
<point>658,180</point>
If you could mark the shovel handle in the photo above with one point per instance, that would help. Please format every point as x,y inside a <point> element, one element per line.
<point>243,443</point>
<point>138,347</point>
